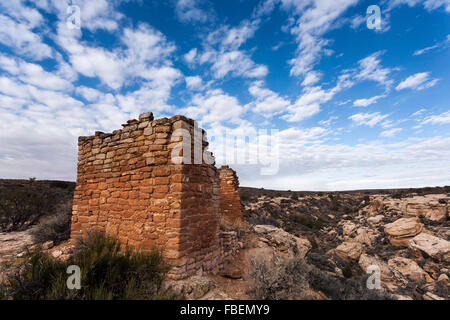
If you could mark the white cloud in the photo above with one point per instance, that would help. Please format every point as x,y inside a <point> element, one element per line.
<point>267,102</point>
<point>313,19</point>
<point>33,74</point>
<point>214,107</point>
<point>424,50</point>
<point>309,102</point>
<point>311,78</point>
<point>194,82</point>
<point>189,11</point>
<point>367,102</point>
<point>191,55</point>
<point>19,37</point>
<point>146,55</point>
<point>222,51</point>
<point>368,119</point>
<point>95,15</point>
<point>237,63</point>
<point>390,132</point>
<point>443,118</point>
<point>370,69</point>
<point>418,81</point>
<point>428,4</point>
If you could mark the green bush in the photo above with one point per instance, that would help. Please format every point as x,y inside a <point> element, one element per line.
<point>107,272</point>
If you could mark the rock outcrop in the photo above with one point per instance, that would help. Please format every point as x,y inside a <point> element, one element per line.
<point>410,269</point>
<point>282,240</point>
<point>349,250</point>
<point>403,230</point>
<point>432,246</point>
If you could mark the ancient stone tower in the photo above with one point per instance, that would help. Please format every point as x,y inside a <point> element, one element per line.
<point>230,202</point>
<point>131,183</point>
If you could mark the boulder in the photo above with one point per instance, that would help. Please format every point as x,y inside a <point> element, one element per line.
<point>409,269</point>
<point>282,240</point>
<point>375,207</point>
<point>348,228</point>
<point>349,250</point>
<point>430,210</point>
<point>191,288</point>
<point>375,220</point>
<point>388,279</point>
<point>431,296</point>
<point>403,230</point>
<point>444,280</point>
<point>434,247</point>
<point>365,236</point>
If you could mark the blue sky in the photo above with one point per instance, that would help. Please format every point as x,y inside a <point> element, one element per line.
<point>350,107</point>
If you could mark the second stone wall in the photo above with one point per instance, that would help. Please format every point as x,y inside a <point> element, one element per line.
<point>231,208</point>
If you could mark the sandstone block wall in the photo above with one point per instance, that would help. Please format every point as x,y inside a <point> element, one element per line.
<point>231,208</point>
<point>229,246</point>
<point>128,186</point>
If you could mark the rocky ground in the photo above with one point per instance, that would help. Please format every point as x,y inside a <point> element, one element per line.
<point>405,234</point>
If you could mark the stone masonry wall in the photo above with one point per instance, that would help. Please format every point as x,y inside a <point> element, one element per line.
<point>230,202</point>
<point>128,186</point>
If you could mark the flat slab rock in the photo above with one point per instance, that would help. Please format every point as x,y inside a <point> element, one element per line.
<point>409,269</point>
<point>404,227</point>
<point>433,246</point>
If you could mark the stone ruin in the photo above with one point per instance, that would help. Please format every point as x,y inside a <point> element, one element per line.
<point>230,201</point>
<point>139,185</point>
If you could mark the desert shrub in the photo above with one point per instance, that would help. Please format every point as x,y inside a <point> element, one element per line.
<point>70,186</point>
<point>347,271</point>
<point>57,228</point>
<point>22,205</point>
<point>245,197</point>
<point>307,221</point>
<point>107,272</point>
<point>303,219</point>
<point>397,195</point>
<point>294,196</point>
<point>344,289</point>
<point>285,280</point>
<point>335,205</point>
<point>366,200</point>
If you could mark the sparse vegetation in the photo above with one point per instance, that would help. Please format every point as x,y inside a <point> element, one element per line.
<point>107,272</point>
<point>22,205</point>
<point>57,228</point>
<point>284,280</point>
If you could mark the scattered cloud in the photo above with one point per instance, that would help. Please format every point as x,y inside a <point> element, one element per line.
<point>367,102</point>
<point>311,20</point>
<point>390,132</point>
<point>418,81</point>
<point>266,102</point>
<point>443,118</point>
<point>190,11</point>
<point>368,119</point>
